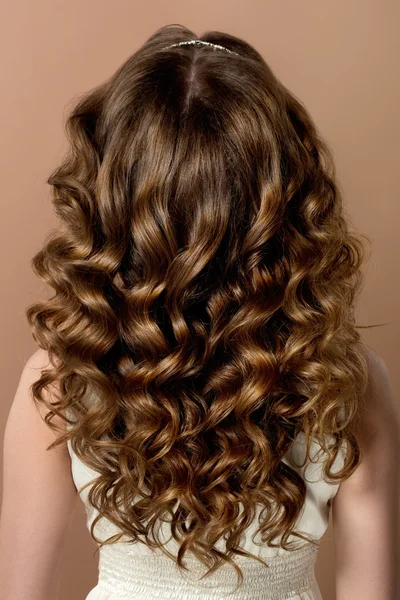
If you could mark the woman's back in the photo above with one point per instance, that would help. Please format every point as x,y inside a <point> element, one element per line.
<point>133,570</point>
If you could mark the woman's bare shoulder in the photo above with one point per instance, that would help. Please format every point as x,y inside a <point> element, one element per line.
<point>377,429</point>
<point>380,411</point>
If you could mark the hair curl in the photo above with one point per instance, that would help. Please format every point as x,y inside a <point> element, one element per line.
<point>204,280</point>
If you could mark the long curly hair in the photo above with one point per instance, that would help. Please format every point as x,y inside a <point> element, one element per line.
<point>204,277</point>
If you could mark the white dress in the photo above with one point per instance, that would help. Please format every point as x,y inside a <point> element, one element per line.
<point>135,572</point>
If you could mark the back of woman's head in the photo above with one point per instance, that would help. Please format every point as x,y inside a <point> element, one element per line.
<point>205,278</point>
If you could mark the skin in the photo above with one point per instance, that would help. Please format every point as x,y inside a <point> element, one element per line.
<point>39,499</point>
<point>366,508</point>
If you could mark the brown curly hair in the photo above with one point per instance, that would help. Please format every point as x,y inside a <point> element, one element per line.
<point>204,278</point>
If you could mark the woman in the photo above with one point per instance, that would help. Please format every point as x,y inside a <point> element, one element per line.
<point>200,379</point>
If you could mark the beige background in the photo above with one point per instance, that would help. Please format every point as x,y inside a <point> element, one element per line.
<point>340,57</point>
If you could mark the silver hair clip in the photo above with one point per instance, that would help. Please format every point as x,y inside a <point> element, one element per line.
<point>201,43</point>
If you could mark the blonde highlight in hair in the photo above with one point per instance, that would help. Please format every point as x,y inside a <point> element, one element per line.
<point>204,279</point>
